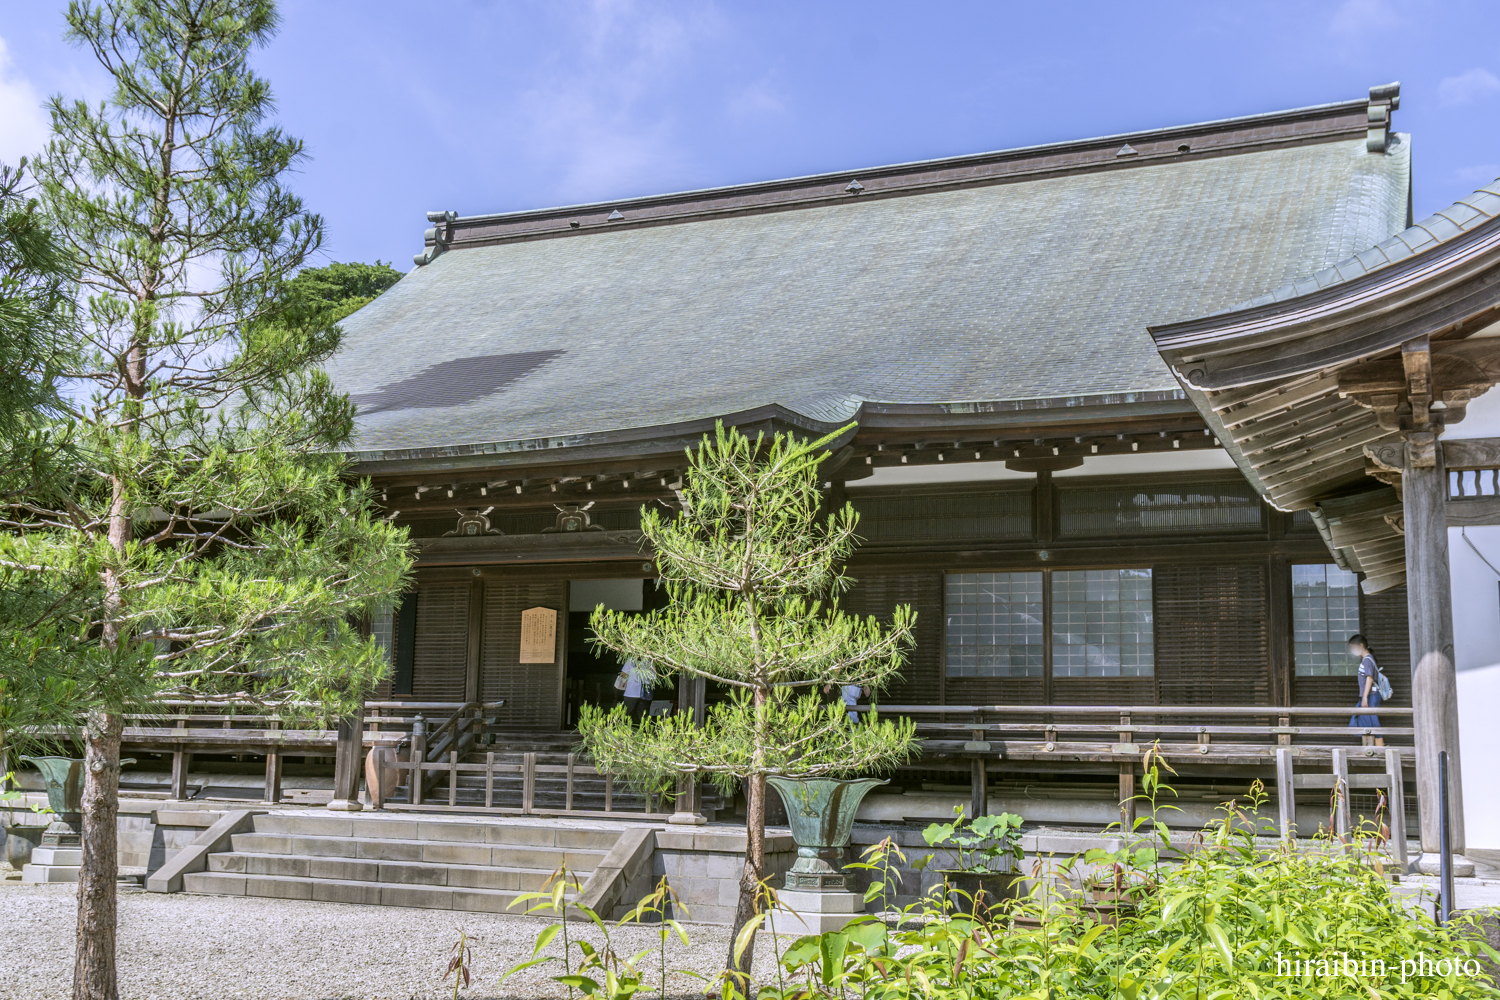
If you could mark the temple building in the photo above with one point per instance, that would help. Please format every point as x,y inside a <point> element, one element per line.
<point>1149,421</point>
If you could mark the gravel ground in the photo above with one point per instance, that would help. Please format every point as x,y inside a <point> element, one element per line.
<point>183,946</point>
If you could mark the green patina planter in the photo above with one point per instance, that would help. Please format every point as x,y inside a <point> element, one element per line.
<point>64,778</point>
<point>821,812</point>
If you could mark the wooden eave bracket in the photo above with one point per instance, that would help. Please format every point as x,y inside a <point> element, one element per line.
<point>1401,392</point>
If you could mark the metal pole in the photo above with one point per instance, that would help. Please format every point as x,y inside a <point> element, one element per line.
<point>1445,857</point>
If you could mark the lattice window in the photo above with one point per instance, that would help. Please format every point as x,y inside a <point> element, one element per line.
<point>990,515</point>
<point>1325,613</point>
<point>1150,509</point>
<point>1102,623</point>
<point>994,624</point>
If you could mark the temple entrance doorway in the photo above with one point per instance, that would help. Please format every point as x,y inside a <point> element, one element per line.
<point>590,672</point>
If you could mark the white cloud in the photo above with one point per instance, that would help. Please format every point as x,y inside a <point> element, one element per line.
<point>759,99</point>
<point>1469,86</point>
<point>1355,17</point>
<point>23,124</point>
<point>600,117</point>
<point>1479,174</point>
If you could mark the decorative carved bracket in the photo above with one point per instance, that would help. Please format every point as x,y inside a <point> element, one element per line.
<point>571,518</point>
<point>473,522</point>
<point>1402,390</point>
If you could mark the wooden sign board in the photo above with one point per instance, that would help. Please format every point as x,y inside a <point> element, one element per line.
<point>538,635</point>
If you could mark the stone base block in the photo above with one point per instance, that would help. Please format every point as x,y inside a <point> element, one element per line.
<point>1431,864</point>
<point>797,924</point>
<point>70,856</point>
<point>49,873</point>
<point>821,902</point>
<point>814,912</point>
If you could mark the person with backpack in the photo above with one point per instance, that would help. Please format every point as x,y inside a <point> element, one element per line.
<point>1374,689</point>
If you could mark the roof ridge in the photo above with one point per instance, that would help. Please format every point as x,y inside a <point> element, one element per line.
<point>843,175</point>
<point>1219,137</point>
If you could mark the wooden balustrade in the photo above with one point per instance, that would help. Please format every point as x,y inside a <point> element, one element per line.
<point>527,768</point>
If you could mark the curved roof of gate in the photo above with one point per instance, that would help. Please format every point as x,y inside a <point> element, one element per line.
<point>1028,274</point>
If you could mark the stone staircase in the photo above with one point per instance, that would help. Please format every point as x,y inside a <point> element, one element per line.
<point>398,861</point>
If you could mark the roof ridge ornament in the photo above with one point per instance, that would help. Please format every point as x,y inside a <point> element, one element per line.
<point>615,216</point>
<point>1383,100</point>
<point>1127,150</point>
<point>439,236</point>
<point>854,187</point>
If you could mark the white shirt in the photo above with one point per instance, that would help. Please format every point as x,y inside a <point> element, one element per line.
<point>638,677</point>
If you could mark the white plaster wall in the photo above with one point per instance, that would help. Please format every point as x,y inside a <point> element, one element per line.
<point>1476,648</point>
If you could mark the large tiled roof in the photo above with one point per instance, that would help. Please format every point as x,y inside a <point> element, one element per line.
<point>1438,228</point>
<point>1039,285</point>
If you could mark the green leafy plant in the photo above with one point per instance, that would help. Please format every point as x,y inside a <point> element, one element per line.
<point>459,959</point>
<point>657,904</point>
<point>977,844</point>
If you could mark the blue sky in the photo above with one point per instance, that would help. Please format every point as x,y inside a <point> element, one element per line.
<point>493,106</point>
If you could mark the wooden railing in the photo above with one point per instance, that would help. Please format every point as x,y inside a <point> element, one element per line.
<point>1058,733</point>
<point>185,727</point>
<point>527,768</point>
<point>1042,728</point>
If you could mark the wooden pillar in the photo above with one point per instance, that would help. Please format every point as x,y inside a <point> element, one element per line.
<point>1429,603</point>
<point>1279,619</point>
<point>1342,815</point>
<point>1286,794</point>
<point>1396,808</point>
<point>979,793</point>
<point>182,762</point>
<point>688,806</point>
<point>348,762</point>
<point>273,769</point>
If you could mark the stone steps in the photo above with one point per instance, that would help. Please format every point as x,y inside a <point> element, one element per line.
<point>394,872</point>
<point>430,851</point>
<point>352,891</point>
<point>458,864</point>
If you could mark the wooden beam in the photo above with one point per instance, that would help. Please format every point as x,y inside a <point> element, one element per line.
<point>1471,453</point>
<point>1473,513</point>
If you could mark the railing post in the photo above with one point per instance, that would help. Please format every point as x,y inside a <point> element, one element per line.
<point>489,780</point>
<point>418,758</point>
<point>609,793</point>
<point>1286,794</point>
<point>979,787</point>
<point>1127,778</point>
<point>1341,814</point>
<point>452,778</point>
<point>568,795</point>
<point>1396,807</point>
<point>1284,722</point>
<point>376,778</point>
<point>273,768</point>
<point>528,782</point>
<point>181,762</point>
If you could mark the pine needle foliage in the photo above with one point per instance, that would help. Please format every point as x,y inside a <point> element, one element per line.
<point>753,567</point>
<point>192,533</point>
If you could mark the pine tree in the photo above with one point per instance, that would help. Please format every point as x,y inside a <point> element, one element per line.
<point>36,280</point>
<point>201,537</point>
<point>753,571</point>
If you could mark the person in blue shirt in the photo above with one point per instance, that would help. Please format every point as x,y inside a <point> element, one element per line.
<point>1369,685</point>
